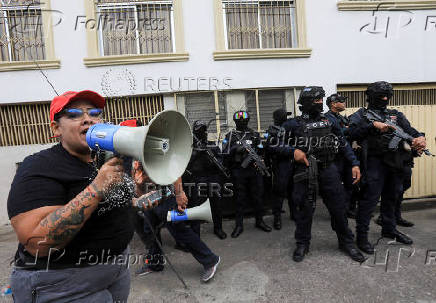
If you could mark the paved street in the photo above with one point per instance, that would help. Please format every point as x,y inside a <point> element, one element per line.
<point>258,267</point>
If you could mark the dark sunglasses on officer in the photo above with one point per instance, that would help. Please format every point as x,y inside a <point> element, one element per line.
<point>340,99</point>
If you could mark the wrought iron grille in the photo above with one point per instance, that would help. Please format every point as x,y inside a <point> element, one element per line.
<point>135,27</point>
<point>23,124</point>
<point>21,31</point>
<point>402,97</point>
<point>260,24</point>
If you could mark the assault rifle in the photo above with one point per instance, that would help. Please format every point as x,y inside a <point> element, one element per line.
<point>212,158</point>
<point>252,157</point>
<point>310,174</point>
<point>398,134</point>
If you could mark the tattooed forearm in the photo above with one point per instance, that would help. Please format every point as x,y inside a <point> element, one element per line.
<point>65,222</point>
<point>66,228</point>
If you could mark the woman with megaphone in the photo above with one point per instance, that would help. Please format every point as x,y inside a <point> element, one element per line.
<point>68,250</point>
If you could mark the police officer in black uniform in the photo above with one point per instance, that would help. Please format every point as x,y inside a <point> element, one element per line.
<point>383,167</point>
<point>313,135</point>
<point>247,182</point>
<point>280,156</point>
<point>336,104</point>
<point>203,178</point>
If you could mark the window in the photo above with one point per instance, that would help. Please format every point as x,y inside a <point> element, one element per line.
<point>25,35</point>
<point>21,32</point>
<point>201,106</point>
<point>260,29</point>
<point>260,24</point>
<point>136,28</point>
<point>135,31</point>
<point>404,95</point>
<point>268,102</point>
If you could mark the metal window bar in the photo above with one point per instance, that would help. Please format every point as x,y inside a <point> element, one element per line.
<point>259,24</point>
<point>154,27</point>
<point>23,124</point>
<point>357,99</point>
<point>21,31</point>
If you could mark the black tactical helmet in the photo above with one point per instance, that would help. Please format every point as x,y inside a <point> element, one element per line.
<point>335,98</point>
<point>379,89</point>
<point>199,129</point>
<point>279,116</point>
<point>199,126</point>
<point>241,115</point>
<point>311,93</point>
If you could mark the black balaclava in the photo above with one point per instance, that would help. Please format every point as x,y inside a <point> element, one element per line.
<point>241,119</point>
<point>307,98</point>
<point>279,116</point>
<point>375,93</point>
<point>199,129</point>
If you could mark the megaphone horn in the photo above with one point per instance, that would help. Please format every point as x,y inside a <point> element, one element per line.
<point>201,212</point>
<point>164,146</point>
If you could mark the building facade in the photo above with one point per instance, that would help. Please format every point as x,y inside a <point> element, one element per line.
<point>207,59</point>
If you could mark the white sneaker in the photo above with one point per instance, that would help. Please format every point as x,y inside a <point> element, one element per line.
<point>210,272</point>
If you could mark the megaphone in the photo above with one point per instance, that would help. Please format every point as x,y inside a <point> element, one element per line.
<point>201,212</point>
<point>164,146</point>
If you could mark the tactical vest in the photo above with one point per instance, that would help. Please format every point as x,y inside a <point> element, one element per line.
<point>319,140</point>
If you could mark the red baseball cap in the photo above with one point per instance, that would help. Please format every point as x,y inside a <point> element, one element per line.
<point>131,123</point>
<point>59,102</point>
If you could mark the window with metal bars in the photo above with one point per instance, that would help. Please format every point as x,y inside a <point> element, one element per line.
<point>427,96</point>
<point>259,24</point>
<point>268,102</point>
<point>21,31</point>
<point>24,124</point>
<point>201,106</point>
<point>135,27</point>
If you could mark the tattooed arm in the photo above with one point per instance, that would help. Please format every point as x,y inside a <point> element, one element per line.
<point>54,226</point>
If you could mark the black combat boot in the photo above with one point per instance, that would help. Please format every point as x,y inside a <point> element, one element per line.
<point>220,233</point>
<point>351,250</point>
<point>300,251</point>
<point>237,231</point>
<point>398,236</point>
<point>404,222</point>
<point>364,245</point>
<point>278,222</point>
<point>262,225</point>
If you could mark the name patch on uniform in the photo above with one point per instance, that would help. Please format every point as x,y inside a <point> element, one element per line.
<point>319,124</point>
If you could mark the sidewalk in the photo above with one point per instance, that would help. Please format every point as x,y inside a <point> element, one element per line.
<point>258,267</point>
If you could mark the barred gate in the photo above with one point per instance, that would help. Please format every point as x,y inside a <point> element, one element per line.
<point>24,124</point>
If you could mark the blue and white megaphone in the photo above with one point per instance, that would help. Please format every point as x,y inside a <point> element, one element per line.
<point>201,212</point>
<point>164,146</point>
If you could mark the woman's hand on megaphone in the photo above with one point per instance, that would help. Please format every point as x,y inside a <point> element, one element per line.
<point>182,201</point>
<point>109,174</point>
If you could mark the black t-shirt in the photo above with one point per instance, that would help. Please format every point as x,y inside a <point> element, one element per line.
<point>54,177</point>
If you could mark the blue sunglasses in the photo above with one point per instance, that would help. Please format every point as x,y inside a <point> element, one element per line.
<point>77,113</point>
